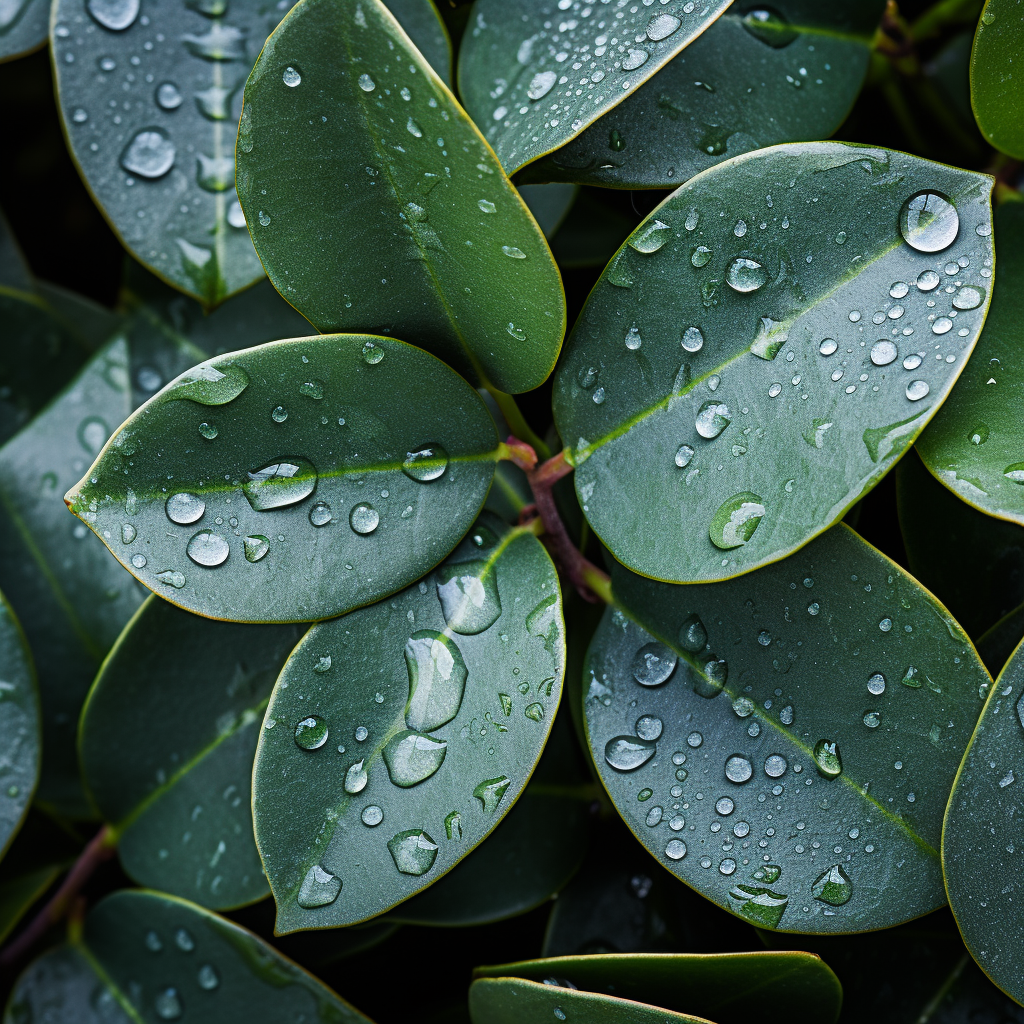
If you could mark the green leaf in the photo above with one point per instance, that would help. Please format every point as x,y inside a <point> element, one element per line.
<point>70,596</point>
<point>399,736</point>
<point>997,643</point>
<point>702,338</point>
<point>998,97</point>
<point>972,563</point>
<point>295,480</point>
<point>425,27</point>
<point>731,988</point>
<point>514,53</point>
<point>973,445</point>
<point>91,323</point>
<point>20,735</point>
<point>167,739</point>
<point>373,212</point>
<point>979,832</point>
<point>755,78</point>
<point>23,27</point>
<point>799,758</point>
<point>173,148</point>
<point>146,956</point>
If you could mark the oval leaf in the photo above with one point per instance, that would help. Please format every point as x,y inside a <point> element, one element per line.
<point>998,97</point>
<point>775,988</point>
<point>979,832</point>
<point>517,54</point>
<point>146,956</point>
<point>713,341</point>
<point>23,27</point>
<point>973,446</point>
<point>167,740</point>
<point>755,78</point>
<point>399,736</point>
<point>375,201</point>
<point>295,480</point>
<point>791,783</point>
<point>20,735</point>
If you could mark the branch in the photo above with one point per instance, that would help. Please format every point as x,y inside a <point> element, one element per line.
<point>100,848</point>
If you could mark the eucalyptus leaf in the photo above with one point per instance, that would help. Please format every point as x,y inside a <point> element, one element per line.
<point>755,78</point>
<point>375,202</point>
<point>998,97</point>
<point>23,27</point>
<point>745,748</point>
<point>799,356</point>
<point>295,480</point>
<point>359,802</point>
<point>70,596</point>
<point>20,735</point>
<point>147,956</point>
<point>973,445</point>
<point>167,739</point>
<point>517,56</point>
<point>162,168</point>
<point>731,988</point>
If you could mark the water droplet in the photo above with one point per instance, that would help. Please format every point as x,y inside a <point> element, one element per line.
<point>279,414</point>
<point>1015,472</point>
<point>412,757</point>
<point>929,222</point>
<point>150,154</point>
<point>372,353</point>
<point>634,59</point>
<point>775,766</point>
<point>209,549</point>
<point>786,715</point>
<point>291,77</point>
<point>361,733</point>
<point>426,463</point>
<point>172,578</point>
<point>775,390</point>
<point>871,719</point>
<point>745,275</point>
<point>675,850</point>
<point>153,943</point>
<point>208,430</point>
<point>208,977</point>
<point>928,280</point>
<point>828,760</point>
<point>693,636</point>
<point>372,816</point>
<point>437,680</point>
<point>366,83</point>
<point>311,732</point>
<point>320,514</point>
<point>653,664</point>
<point>833,887</point>
<point>255,547</point>
<point>899,289</point>
<point>541,84</point>
<point>737,769</point>
<point>516,332</point>
<point>694,740</point>
<point>916,390</point>
<point>167,96</point>
<point>209,385</point>
<point>942,326</point>
<point>883,352</point>
<point>769,27</point>
<point>712,418</point>
<point>364,518</point>
<point>280,484</point>
<point>912,362</point>
<point>468,593</point>
<point>633,339</point>
<point>684,455</point>
<point>727,866</point>
<point>490,791</point>
<point>969,297</point>
<point>116,15</point>
<point>979,435</point>
<point>648,727</point>
<point>876,684</point>
<point>661,26</point>
<point>736,520</point>
<point>184,508</point>
<point>654,816</point>
<point>168,1003</point>
<point>700,256</point>
<point>627,753</point>
<point>725,806</point>
<point>650,237</point>
<point>356,777</point>
<point>319,888</point>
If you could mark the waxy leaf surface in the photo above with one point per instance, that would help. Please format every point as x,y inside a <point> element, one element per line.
<point>755,78</point>
<point>974,445</point>
<point>760,321</point>
<point>143,956</point>
<point>167,740</point>
<point>997,91</point>
<point>400,735</point>
<point>376,205</point>
<point>785,743</point>
<point>295,480</point>
<point>535,74</point>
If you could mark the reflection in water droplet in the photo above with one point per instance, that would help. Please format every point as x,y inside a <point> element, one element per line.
<point>256,547</point>
<point>775,766</point>
<point>412,757</point>
<point>184,508</point>
<point>828,760</point>
<point>648,727</point>
<point>833,887</point>
<point>209,549</point>
<point>883,352</point>
<point>372,353</point>
<point>364,518</point>
<point>291,77</point>
<point>916,390</point>
<point>712,418</point>
<point>745,275</point>
<point>700,256</point>
<point>319,888</point>
<point>437,679</point>
<point>279,484</point>
<point>311,732</point>
<point>490,791</point>
<point>929,222</point>
<point>627,753</point>
<point>320,514</point>
<point>116,15</point>
<point>693,636</point>
<point>150,154</point>
<point>650,237</point>
<point>736,520</point>
<point>693,340</point>
<point>653,664</point>
<point>468,593</point>
<point>769,27</point>
<point>876,684</point>
<point>427,462</point>
<point>738,769</point>
<point>356,778</point>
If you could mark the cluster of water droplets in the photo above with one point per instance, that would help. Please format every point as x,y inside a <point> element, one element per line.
<point>169,1001</point>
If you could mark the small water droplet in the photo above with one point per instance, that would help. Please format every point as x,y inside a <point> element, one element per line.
<point>693,636</point>
<point>883,352</point>
<point>916,390</point>
<point>828,760</point>
<point>255,546</point>
<point>912,362</point>
<point>279,414</point>
<point>969,297</point>
<point>168,1004</point>
<point>737,518</point>
<point>769,27</point>
<point>172,578</point>
<point>648,727</point>
<point>541,84</point>
<point>372,816</point>
<point>899,289</point>
<point>364,518</point>
<point>633,339</point>
<point>833,887</point>
<point>943,325</point>
<point>876,684</point>
<point>356,777</point>
<point>366,83</point>
<point>675,850</point>
<point>208,430</point>
<point>775,766</point>
<point>700,256</point>
<point>291,77</point>
<point>116,15</point>
<point>280,484</point>
<point>184,508</point>
<point>311,732</point>
<point>426,463</point>
<point>712,418</point>
<point>871,719</point>
<point>695,739</point>
<point>683,456</point>
<point>372,353</point>
<point>320,514</point>
<point>208,977</point>
<point>650,237</point>
<point>693,340</point>
<point>724,806</point>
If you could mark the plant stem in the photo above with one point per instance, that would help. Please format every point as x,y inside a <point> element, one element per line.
<point>517,424</point>
<point>100,848</point>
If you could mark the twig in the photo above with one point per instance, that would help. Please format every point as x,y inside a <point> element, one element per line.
<point>100,848</point>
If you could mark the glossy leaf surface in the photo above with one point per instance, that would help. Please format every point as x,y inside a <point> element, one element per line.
<point>23,27</point>
<point>799,356</point>
<point>755,78</point>
<point>375,202</point>
<point>71,597</point>
<point>146,956</point>
<point>997,94</point>
<point>785,743</point>
<point>727,987</point>
<point>399,736</point>
<point>180,67</point>
<point>973,446</point>
<point>167,740</point>
<point>980,830</point>
<point>20,735</point>
<point>515,54</point>
<point>295,480</point>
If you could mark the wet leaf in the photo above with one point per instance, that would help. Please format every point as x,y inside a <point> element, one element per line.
<point>515,55</point>
<point>20,736</point>
<point>71,597</point>
<point>375,212</point>
<point>425,27</point>
<point>979,833</point>
<point>347,828</point>
<point>702,338</point>
<point>23,27</point>
<point>167,740</point>
<point>755,78</point>
<point>973,444</point>
<point>743,698</point>
<point>147,956</point>
<point>162,170</point>
<point>998,97</point>
<point>295,480</point>
<point>731,988</point>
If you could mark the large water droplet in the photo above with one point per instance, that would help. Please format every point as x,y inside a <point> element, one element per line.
<point>319,888</point>
<point>700,256</point>
<point>969,297</point>
<point>364,518</point>
<point>833,887</point>
<point>709,679</point>
<point>208,977</point>
<point>372,815</point>
<point>209,385</point>
<point>428,462</point>
<point>373,353</point>
<point>929,222</point>
<point>150,154</point>
<point>775,765</point>
<point>712,418</point>
<point>736,520</point>
<point>827,759</point>
<point>437,680</point>
<point>413,851</point>
<point>649,727</point>
<point>280,484</point>
<point>209,549</point>
<point>171,578</point>
<point>469,597</point>
<point>765,24</point>
<point>917,389</point>
<point>651,237</point>
<point>541,84</point>
<point>184,508</point>
<point>311,732</point>
<point>412,757</point>
<point>661,26</point>
<point>116,15</point>
<point>876,684</point>
<point>167,96</point>
<point>745,275</point>
<point>634,59</point>
<point>738,769</point>
<point>320,514</point>
<point>490,791</point>
<point>883,352</point>
<point>653,664</point>
<point>627,753</point>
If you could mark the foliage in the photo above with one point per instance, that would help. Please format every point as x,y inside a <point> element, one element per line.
<point>313,658</point>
